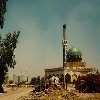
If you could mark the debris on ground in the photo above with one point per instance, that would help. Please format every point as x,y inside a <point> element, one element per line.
<point>60,94</point>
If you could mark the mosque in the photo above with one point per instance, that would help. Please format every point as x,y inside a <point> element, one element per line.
<point>73,65</point>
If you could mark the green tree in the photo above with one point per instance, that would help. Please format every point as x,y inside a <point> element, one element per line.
<point>97,72</point>
<point>33,81</point>
<point>42,79</point>
<point>38,80</point>
<point>2,11</point>
<point>7,57</point>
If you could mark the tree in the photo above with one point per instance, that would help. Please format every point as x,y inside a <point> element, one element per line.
<point>97,72</point>
<point>7,57</point>
<point>2,11</point>
<point>42,79</point>
<point>38,80</point>
<point>33,81</point>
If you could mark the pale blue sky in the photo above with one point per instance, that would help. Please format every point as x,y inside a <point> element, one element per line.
<point>40,23</point>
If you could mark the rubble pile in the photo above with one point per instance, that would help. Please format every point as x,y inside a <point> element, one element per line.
<point>89,96</point>
<point>51,93</point>
<point>60,94</point>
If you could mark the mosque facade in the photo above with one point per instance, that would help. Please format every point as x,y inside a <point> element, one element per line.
<point>73,65</point>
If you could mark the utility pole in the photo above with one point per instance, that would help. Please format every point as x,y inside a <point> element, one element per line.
<point>64,44</point>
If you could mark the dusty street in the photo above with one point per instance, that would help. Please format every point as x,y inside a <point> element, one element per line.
<point>23,93</point>
<point>15,94</point>
<point>60,94</point>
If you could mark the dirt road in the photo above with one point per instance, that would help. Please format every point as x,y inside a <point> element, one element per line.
<point>15,94</point>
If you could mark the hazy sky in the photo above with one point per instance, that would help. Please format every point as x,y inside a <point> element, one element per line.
<point>40,23</point>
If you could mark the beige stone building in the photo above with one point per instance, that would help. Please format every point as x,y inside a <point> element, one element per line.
<point>73,65</point>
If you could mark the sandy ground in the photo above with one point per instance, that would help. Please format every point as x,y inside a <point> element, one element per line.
<point>24,93</point>
<point>61,94</point>
<point>14,94</point>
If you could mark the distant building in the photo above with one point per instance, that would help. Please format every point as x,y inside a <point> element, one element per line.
<point>73,65</point>
<point>19,79</point>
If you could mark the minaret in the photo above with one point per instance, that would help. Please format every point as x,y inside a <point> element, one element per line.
<point>64,43</point>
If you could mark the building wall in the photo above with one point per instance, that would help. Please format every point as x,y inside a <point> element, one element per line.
<point>76,64</point>
<point>19,79</point>
<point>53,72</point>
<point>73,72</point>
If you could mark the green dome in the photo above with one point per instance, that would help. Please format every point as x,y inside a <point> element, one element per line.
<point>74,54</point>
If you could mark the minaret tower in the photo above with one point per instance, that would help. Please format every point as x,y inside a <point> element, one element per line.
<point>64,43</point>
